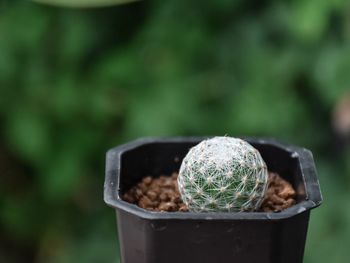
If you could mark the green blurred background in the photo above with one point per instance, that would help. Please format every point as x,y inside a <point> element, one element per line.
<point>75,82</point>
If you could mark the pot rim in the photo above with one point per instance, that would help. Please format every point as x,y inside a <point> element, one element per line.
<point>305,162</point>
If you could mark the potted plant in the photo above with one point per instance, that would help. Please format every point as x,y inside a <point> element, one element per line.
<point>209,236</point>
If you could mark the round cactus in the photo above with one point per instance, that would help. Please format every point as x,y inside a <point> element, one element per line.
<point>223,174</point>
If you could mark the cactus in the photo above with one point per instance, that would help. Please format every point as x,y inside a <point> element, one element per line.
<point>223,174</point>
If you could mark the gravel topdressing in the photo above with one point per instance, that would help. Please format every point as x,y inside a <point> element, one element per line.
<point>162,194</point>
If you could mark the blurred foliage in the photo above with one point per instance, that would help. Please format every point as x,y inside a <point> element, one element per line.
<point>76,82</point>
<point>83,3</point>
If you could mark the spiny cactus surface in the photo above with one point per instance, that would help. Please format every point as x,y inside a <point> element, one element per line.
<point>223,174</point>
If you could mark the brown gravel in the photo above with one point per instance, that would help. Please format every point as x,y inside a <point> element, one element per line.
<point>162,194</point>
<point>157,194</point>
<point>280,194</point>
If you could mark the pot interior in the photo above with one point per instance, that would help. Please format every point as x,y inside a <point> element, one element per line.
<point>164,158</point>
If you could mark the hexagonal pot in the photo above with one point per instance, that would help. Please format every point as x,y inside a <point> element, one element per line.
<point>172,237</point>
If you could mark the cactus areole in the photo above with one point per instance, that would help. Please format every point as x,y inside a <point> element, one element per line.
<point>223,174</point>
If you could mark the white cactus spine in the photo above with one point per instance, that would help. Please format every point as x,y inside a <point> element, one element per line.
<point>223,174</point>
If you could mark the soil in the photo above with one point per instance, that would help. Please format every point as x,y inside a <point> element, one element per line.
<point>162,194</point>
<point>279,195</point>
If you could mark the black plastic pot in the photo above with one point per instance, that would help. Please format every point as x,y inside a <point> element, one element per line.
<point>168,237</point>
